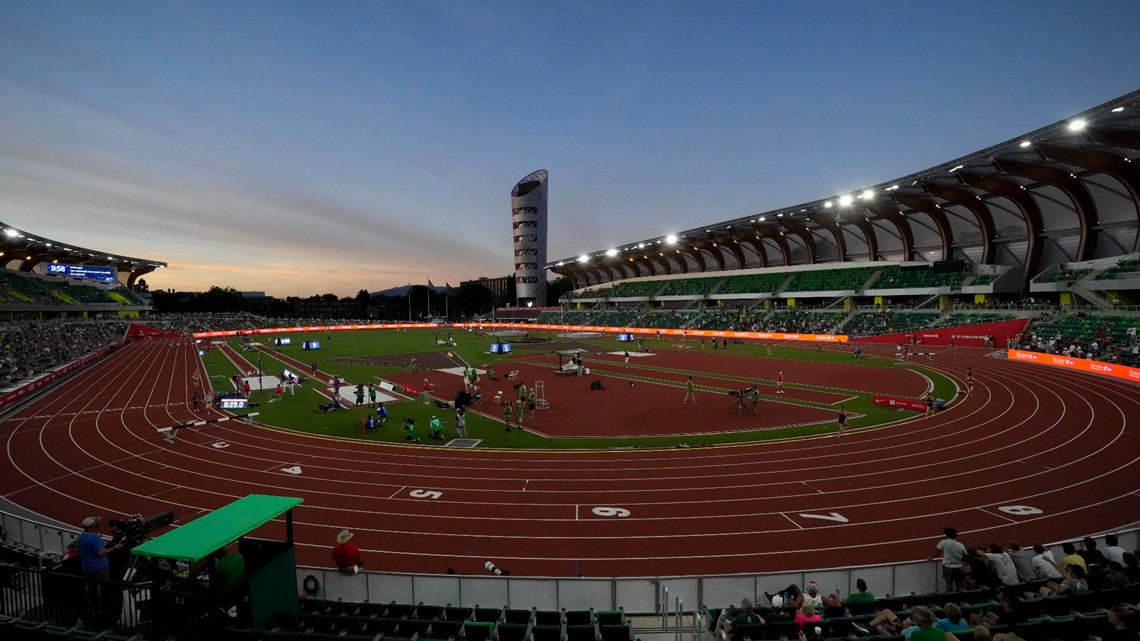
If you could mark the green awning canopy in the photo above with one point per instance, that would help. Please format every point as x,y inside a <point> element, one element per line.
<point>196,540</point>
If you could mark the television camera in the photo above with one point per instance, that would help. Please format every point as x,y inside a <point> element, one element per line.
<point>136,529</point>
<point>741,393</point>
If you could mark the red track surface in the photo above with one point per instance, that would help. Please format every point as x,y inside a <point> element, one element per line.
<point>1056,442</point>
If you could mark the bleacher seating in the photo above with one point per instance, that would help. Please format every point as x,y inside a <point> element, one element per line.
<point>830,280</point>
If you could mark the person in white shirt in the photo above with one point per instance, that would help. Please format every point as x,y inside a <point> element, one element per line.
<point>952,553</point>
<point>1112,550</point>
<point>1003,564</point>
<point>1043,564</point>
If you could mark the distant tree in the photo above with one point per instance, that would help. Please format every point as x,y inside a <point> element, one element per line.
<point>470,299</point>
<point>329,298</point>
<point>363,297</point>
<point>556,288</point>
<point>220,299</point>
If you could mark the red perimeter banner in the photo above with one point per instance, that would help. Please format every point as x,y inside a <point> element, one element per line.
<point>962,335</point>
<point>901,403</point>
<point>1080,364</point>
<point>650,332</point>
<point>311,328</point>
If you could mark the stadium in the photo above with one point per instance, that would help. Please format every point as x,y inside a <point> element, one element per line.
<point>973,323</point>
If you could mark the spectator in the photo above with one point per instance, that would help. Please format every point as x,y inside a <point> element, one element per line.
<point>1071,557</point>
<point>953,554</point>
<point>861,595</point>
<point>346,555</point>
<point>1131,567</point>
<point>953,621</point>
<point>806,614</point>
<point>1112,549</point>
<point>1091,555</point>
<point>1022,561</point>
<point>1002,564</point>
<point>923,619</point>
<point>743,616</point>
<point>1043,565</point>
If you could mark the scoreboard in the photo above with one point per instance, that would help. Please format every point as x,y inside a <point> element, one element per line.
<point>90,272</point>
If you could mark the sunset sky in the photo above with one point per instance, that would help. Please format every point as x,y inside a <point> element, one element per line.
<point>311,147</point>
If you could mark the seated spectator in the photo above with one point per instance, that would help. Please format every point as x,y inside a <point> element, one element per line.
<point>1073,583</point>
<point>884,622</point>
<point>1091,555</point>
<point>953,620</point>
<point>981,573</point>
<point>806,614</point>
<point>834,606</point>
<point>925,630</point>
<point>1123,624</point>
<point>1002,564</point>
<point>794,598</point>
<point>1022,561</point>
<point>861,595</point>
<point>743,616</point>
<point>1112,550</point>
<point>1010,613</point>
<point>1131,567</point>
<point>1043,565</point>
<point>1071,557</point>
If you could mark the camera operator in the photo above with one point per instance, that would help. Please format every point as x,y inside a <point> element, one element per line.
<point>93,550</point>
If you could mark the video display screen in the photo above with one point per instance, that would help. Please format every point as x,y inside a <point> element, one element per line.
<point>625,338</point>
<point>500,348</point>
<point>234,403</point>
<point>311,345</point>
<point>283,340</point>
<point>90,272</point>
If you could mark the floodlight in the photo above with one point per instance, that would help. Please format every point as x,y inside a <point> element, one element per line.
<point>867,194</point>
<point>828,204</point>
<point>11,233</point>
<point>671,238</point>
<point>611,252</point>
<point>845,200</point>
<point>583,259</point>
<point>1025,143</point>
<point>1117,110</point>
<point>1077,125</point>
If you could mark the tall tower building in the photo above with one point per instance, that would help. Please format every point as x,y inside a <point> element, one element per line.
<point>528,232</point>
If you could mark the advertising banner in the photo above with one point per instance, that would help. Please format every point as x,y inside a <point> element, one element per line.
<point>962,335</point>
<point>912,404</point>
<point>1080,364</point>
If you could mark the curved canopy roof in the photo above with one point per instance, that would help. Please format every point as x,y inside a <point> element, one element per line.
<point>1066,192</point>
<point>32,249</point>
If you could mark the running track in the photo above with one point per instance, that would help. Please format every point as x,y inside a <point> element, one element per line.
<point>1061,444</point>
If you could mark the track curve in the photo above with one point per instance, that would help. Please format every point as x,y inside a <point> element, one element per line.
<point>1032,453</point>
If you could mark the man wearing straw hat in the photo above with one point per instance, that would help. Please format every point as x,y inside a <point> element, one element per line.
<point>346,555</point>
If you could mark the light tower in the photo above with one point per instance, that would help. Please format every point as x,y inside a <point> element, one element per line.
<point>528,233</point>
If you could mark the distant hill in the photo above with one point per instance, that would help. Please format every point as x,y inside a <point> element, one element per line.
<point>402,290</point>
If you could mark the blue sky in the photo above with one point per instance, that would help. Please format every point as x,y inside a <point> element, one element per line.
<point>312,147</point>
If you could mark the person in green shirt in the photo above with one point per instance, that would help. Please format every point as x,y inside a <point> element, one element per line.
<point>861,595</point>
<point>521,413</point>
<point>230,571</point>
<point>436,428</point>
<point>531,401</point>
<point>508,410</point>
<point>754,396</point>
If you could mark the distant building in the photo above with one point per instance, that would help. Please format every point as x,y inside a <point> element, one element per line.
<point>500,288</point>
<point>528,233</point>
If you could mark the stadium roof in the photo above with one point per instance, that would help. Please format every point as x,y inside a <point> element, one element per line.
<point>1066,192</point>
<point>33,249</point>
